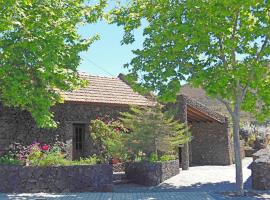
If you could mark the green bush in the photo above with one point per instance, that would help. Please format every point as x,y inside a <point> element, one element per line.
<point>93,160</point>
<point>52,159</point>
<point>167,158</point>
<point>9,160</point>
<point>153,158</point>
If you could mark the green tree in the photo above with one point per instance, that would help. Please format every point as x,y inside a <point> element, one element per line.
<point>39,52</point>
<point>152,131</point>
<point>222,46</point>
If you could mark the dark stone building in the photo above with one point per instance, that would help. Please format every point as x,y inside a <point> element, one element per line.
<point>109,96</point>
<point>211,143</point>
<point>103,96</point>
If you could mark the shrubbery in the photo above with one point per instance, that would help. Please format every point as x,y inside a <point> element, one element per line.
<point>43,155</point>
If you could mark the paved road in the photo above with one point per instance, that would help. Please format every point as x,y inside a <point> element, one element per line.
<point>198,183</point>
<point>115,196</point>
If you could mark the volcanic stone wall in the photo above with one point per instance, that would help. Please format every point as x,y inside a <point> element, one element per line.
<point>18,126</point>
<point>84,178</point>
<point>210,144</point>
<point>151,174</point>
<point>260,170</point>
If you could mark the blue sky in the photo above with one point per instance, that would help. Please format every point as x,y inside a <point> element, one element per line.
<point>107,56</point>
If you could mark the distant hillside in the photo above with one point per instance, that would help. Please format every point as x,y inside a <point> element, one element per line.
<point>200,95</point>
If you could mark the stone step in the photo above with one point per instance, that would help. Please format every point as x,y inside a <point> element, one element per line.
<point>119,176</point>
<point>119,182</point>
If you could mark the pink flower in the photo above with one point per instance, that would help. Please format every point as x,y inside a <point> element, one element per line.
<point>45,147</point>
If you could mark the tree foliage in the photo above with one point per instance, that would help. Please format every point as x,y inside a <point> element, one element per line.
<point>152,131</point>
<point>221,46</point>
<point>39,52</point>
<point>213,44</point>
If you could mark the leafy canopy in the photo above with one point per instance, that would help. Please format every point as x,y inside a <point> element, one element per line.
<point>222,46</point>
<point>39,52</point>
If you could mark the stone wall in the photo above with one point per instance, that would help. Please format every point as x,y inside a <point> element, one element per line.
<point>85,178</point>
<point>210,143</point>
<point>119,167</point>
<point>242,150</point>
<point>249,151</point>
<point>19,126</point>
<point>260,170</point>
<point>151,174</point>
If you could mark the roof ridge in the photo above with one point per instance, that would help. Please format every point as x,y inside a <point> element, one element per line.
<point>90,75</point>
<point>207,110</point>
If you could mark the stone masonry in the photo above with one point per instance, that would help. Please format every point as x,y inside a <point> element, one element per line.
<point>84,178</point>
<point>19,126</point>
<point>151,174</point>
<point>260,170</point>
<point>210,144</point>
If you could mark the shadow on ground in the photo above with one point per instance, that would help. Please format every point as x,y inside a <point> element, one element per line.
<point>198,187</point>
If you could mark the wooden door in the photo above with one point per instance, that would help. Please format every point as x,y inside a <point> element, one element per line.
<point>78,141</point>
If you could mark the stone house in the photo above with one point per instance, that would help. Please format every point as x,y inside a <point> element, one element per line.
<point>109,96</point>
<point>103,96</point>
<point>211,141</point>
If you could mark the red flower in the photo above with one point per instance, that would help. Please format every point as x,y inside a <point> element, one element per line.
<point>45,147</point>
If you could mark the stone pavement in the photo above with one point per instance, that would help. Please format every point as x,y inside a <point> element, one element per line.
<point>112,196</point>
<point>128,196</point>
<point>198,183</point>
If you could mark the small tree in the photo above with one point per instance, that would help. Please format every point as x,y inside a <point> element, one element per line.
<point>152,131</point>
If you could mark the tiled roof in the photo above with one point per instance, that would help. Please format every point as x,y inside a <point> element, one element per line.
<point>197,110</point>
<point>205,110</point>
<point>106,90</point>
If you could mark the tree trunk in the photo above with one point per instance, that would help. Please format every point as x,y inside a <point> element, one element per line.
<point>237,153</point>
<point>185,157</point>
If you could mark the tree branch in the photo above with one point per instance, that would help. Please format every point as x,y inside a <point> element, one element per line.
<point>227,104</point>
<point>243,93</point>
<point>222,54</point>
<point>262,48</point>
<point>233,36</point>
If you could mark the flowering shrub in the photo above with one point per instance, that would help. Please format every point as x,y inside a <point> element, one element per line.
<point>115,125</point>
<point>106,140</point>
<point>38,154</point>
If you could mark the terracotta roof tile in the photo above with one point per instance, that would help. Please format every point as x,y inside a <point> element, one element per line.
<point>106,90</point>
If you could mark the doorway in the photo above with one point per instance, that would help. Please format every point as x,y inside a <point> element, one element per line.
<point>78,141</point>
